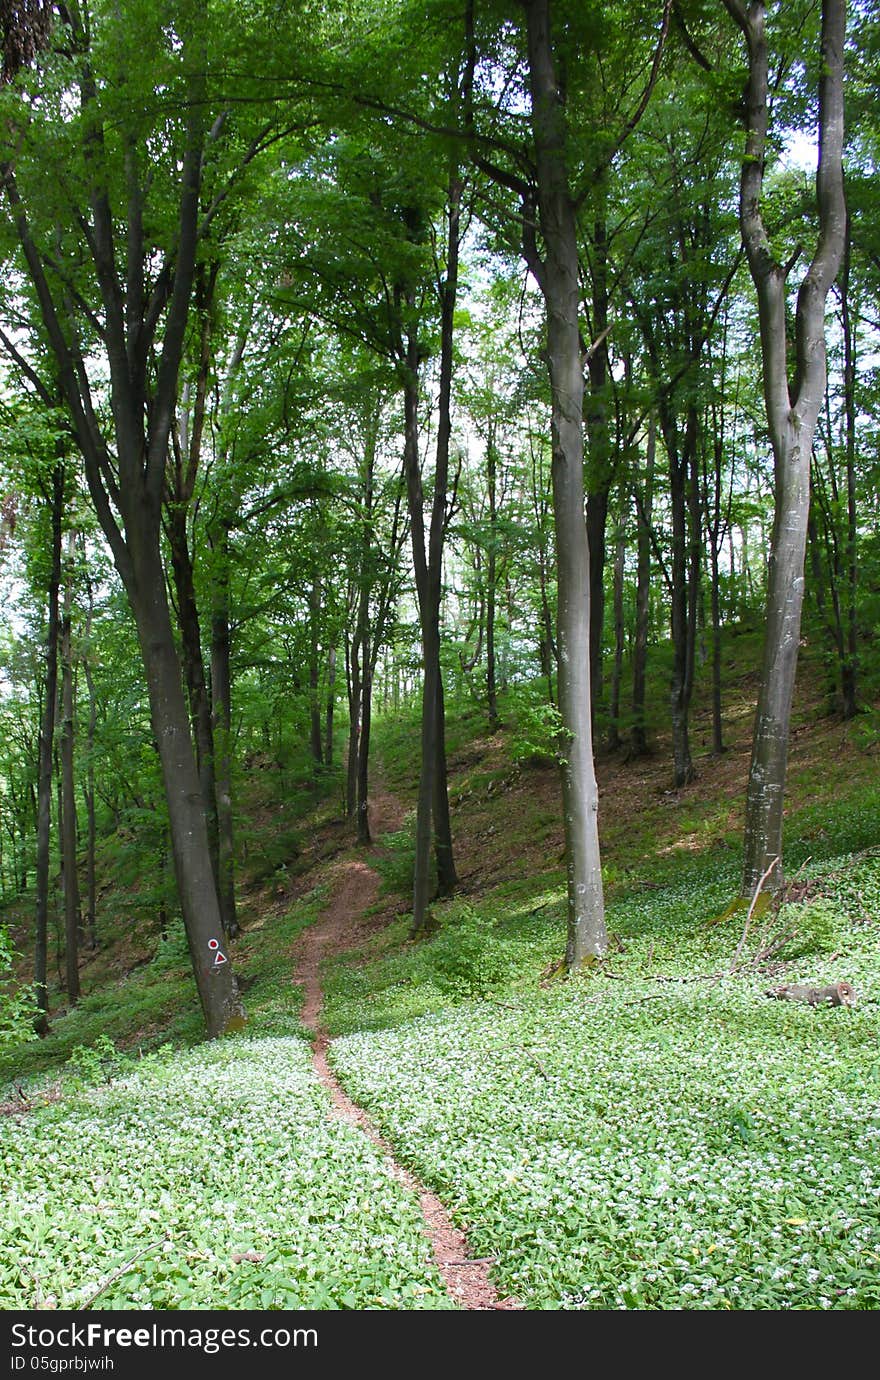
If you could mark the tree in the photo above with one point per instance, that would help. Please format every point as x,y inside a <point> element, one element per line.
<point>134,309</point>
<point>557,275</point>
<point>792,404</point>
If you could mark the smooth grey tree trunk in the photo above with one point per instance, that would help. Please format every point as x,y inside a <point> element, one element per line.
<point>559,282</point>
<point>792,410</point>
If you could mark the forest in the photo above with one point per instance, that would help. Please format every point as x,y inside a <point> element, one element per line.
<point>439,701</point>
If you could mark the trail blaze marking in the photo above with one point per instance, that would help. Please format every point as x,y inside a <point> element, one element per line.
<point>219,956</point>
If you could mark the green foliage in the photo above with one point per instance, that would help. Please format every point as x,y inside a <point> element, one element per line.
<point>97,1063</point>
<point>816,928</point>
<point>17,1003</point>
<point>537,735</point>
<point>221,1171</point>
<point>467,958</point>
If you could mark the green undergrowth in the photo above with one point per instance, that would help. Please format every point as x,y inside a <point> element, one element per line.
<point>654,1134</point>
<point>657,1134</point>
<point>206,1179</point>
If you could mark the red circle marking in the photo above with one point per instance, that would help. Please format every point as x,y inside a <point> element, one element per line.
<point>213,943</point>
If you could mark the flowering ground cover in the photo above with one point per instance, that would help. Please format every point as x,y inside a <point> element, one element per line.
<point>628,1142</point>
<point>221,1166</point>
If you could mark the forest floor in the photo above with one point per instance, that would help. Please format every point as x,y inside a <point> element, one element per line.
<point>341,928</point>
<point>656,1134</point>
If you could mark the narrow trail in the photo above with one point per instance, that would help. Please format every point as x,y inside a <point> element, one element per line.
<point>342,926</point>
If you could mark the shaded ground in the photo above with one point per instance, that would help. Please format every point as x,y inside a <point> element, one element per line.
<point>344,926</point>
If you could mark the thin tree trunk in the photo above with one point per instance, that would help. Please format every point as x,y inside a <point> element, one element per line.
<point>617,673</point>
<point>491,577</point>
<point>849,669</point>
<point>683,767</point>
<point>353,681</point>
<point>44,776</point>
<point>600,467</point>
<point>331,691</point>
<point>314,674</point>
<point>363,748</point>
<point>558,278</point>
<point>221,725</point>
<point>638,737</point>
<point>91,830</point>
<point>433,803</point>
<point>447,878</point>
<point>68,824</point>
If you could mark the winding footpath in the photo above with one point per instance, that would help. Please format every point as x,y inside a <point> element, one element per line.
<point>342,926</point>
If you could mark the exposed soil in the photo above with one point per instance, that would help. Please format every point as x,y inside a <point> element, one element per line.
<point>344,926</point>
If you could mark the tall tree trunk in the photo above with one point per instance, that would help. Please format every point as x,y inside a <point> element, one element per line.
<point>600,467</point>
<point>125,470</point>
<point>44,771</point>
<point>194,669</point>
<point>617,673</point>
<point>447,879</point>
<point>314,673</point>
<point>682,649</point>
<point>68,791</point>
<point>89,791</point>
<point>491,577</point>
<point>430,647</point>
<point>331,692</point>
<point>849,670</point>
<point>194,873</point>
<point>353,683</point>
<point>221,725</point>
<point>792,411</point>
<point>363,747</point>
<point>638,737</point>
<point>558,278</point>
<point>433,803</point>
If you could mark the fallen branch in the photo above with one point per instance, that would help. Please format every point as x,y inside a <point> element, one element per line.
<point>741,945</point>
<point>111,1279</point>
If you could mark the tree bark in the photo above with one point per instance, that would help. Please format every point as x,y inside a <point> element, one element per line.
<point>614,739</point>
<point>89,790</point>
<point>638,737</point>
<point>68,792</point>
<point>849,667</point>
<point>600,468</point>
<point>491,577</point>
<point>792,411</point>
<point>194,872</point>
<point>314,674</point>
<point>44,770</point>
<point>221,724</point>
<point>331,691</point>
<point>558,279</point>
<point>433,803</point>
<point>125,472</point>
<point>194,666</point>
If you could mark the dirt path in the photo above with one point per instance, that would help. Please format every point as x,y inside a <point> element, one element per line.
<point>342,927</point>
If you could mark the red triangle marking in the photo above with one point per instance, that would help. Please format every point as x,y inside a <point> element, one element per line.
<point>220,958</point>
